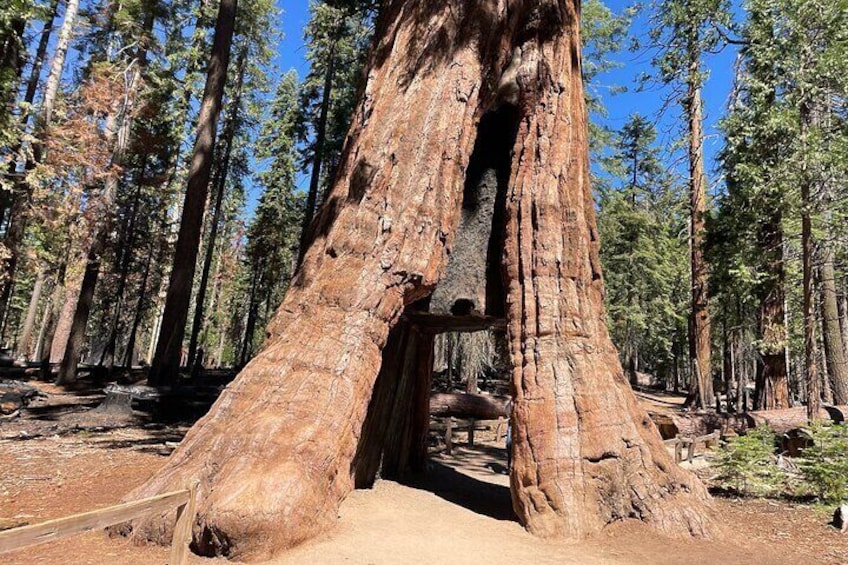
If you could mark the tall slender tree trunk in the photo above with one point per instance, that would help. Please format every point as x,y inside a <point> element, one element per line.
<point>701,392</point>
<point>834,349</point>
<point>250,323</point>
<point>318,156</point>
<point>166,362</point>
<point>29,323</point>
<point>40,56</point>
<point>126,249</point>
<point>12,59</point>
<point>808,206</point>
<point>220,188</point>
<point>277,452</point>
<point>31,88</point>
<point>57,298</point>
<point>118,131</point>
<point>18,216</point>
<point>42,329</point>
<point>129,355</point>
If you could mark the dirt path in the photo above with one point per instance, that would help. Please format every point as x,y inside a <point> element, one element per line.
<point>459,514</point>
<point>68,459</point>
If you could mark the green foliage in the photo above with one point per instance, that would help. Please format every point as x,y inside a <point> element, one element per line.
<point>792,57</point>
<point>747,463</point>
<point>340,37</point>
<point>824,465</point>
<point>682,31</point>
<point>644,253</point>
<point>603,33</point>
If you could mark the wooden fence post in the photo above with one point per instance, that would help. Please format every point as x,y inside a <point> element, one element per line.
<point>183,527</point>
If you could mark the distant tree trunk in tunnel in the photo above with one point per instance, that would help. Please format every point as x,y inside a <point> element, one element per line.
<point>276,454</point>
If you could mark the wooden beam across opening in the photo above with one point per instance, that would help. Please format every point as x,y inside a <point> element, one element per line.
<point>443,323</point>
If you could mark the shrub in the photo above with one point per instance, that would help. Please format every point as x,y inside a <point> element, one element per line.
<point>824,465</point>
<point>747,463</point>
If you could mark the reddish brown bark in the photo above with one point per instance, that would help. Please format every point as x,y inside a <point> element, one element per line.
<point>467,405</point>
<point>275,455</point>
<point>772,383</point>
<point>781,421</point>
<point>701,390</point>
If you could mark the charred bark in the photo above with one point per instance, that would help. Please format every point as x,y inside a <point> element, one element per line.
<point>278,446</point>
<point>129,354</point>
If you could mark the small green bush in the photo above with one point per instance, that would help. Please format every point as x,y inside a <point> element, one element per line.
<point>747,463</point>
<point>824,465</point>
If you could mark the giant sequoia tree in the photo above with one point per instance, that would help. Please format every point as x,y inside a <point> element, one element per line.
<point>469,108</point>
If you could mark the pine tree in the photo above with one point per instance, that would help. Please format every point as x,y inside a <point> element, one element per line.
<point>641,217</point>
<point>683,31</point>
<point>273,235</point>
<point>166,362</point>
<point>757,200</point>
<point>337,39</point>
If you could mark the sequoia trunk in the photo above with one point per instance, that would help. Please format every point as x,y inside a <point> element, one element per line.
<point>772,384</point>
<point>275,455</point>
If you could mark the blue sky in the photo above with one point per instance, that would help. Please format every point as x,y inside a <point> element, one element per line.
<point>649,103</point>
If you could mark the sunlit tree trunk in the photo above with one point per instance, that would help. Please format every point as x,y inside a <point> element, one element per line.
<point>276,454</point>
<point>701,391</point>
<point>32,311</point>
<point>17,215</point>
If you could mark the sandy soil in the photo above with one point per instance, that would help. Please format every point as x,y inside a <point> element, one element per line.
<point>459,513</point>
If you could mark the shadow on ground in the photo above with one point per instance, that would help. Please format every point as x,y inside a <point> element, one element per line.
<point>474,477</point>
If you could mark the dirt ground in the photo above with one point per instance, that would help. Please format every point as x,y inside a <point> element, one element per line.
<point>65,459</point>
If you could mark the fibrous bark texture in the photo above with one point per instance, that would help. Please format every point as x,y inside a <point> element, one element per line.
<point>772,385</point>
<point>275,455</point>
<point>834,349</point>
<point>701,390</point>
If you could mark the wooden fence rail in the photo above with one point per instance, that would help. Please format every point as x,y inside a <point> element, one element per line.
<point>183,500</point>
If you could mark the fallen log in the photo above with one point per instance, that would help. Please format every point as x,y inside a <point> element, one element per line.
<point>782,421</point>
<point>15,396</point>
<point>469,406</point>
<point>695,424</point>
